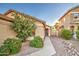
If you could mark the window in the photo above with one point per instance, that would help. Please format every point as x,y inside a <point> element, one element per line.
<point>75,15</point>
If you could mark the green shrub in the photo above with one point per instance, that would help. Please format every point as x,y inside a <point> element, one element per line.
<point>10,46</point>
<point>37,42</point>
<point>66,34</point>
<point>13,44</point>
<point>4,50</point>
<point>77,34</point>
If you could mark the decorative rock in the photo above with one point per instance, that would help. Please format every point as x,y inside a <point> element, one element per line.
<point>70,49</point>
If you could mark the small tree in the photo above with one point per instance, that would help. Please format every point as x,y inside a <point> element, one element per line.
<point>23,26</point>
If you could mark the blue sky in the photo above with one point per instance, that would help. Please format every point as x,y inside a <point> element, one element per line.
<point>48,12</point>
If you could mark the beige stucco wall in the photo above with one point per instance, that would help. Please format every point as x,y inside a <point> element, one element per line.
<point>5,31</point>
<point>40,29</point>
<point>75,24</point>
<point>67,20</point>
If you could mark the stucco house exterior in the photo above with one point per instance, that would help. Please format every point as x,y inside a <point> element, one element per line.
<point>70,20</point>
<point>7,32</point>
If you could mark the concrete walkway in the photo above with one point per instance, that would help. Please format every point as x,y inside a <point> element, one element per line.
<point>47,50</point>
<point>26,49</point>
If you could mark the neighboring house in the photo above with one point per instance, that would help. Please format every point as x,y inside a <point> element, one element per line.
<point>70,20</point>
<point>7,32</point>
<point>48,30</point>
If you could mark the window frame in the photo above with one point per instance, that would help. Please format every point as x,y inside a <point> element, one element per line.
<point>75,15</point>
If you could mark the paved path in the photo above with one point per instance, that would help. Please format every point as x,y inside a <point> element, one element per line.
<point>53,46</point>
<point>26,49</point>
<point>47,50</point>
